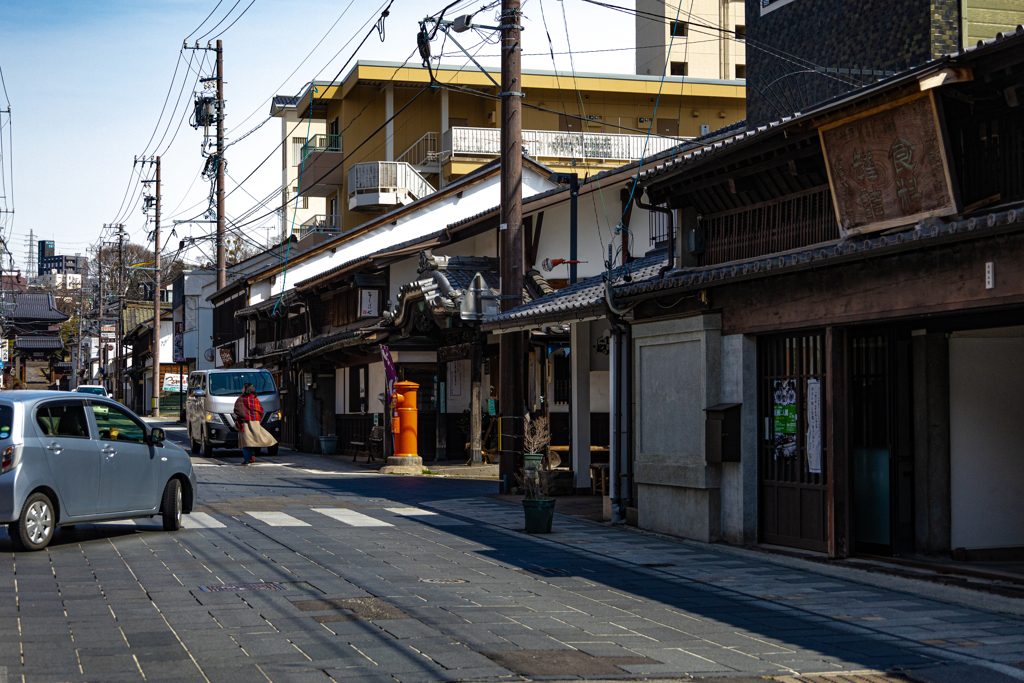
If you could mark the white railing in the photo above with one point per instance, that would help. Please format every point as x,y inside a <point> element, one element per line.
<point>387,177</point>
<point>426,150</point>
<point>558,145</point>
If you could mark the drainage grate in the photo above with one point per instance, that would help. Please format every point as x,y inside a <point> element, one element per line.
<point>240,587</point>
<point>444,581</point>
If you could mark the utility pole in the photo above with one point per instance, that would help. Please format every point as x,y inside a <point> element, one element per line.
<point>81,314</point>
<point>222,278</point>
<point>510,372</point>
<point>118,334</point>
<point>99,321</point>
<point>155,336</point>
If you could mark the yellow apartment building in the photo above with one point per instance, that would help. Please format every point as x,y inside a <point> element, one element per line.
<point>364,164</point>
<point>698,38</point>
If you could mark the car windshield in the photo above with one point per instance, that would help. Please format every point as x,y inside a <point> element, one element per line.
<point>231,383</point>
<point>92,390</point>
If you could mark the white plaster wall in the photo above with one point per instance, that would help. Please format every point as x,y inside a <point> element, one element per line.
<point>986,392</point>
<point>340,390</point>
<point>259,292</point>
<point>430,217</point>
<point>376,387</point>
<point>401,274</point>
<point>205,336</point>
<point>166,341</point>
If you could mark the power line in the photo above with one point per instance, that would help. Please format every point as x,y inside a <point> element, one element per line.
<point>219,22</point>
<point>235,21</point>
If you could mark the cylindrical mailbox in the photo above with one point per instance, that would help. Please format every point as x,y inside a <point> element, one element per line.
<point>405,409</point>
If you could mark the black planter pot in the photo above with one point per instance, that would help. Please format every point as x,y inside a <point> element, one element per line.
<point>539,514</point>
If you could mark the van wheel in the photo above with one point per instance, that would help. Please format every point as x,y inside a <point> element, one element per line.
<point>34,528</point>
<point>272,450</point>
<point>170,509</point>
<point>192,443</point>
<point>207,448</point>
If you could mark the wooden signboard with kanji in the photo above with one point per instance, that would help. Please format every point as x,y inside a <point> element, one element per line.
<point>888,167</point>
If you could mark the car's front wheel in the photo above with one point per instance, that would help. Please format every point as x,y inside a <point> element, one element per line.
<point>207,447</point>
<point>170,509</point>
<point>34,528</point>
<point>192,443</point>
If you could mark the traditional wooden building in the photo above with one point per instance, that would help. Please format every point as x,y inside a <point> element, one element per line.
<point>843,322</point>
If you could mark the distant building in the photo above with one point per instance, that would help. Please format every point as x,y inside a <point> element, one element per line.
<point>700,39</point>
<point>62,264</point>
<point>45,250</point>
<point>60,281</point>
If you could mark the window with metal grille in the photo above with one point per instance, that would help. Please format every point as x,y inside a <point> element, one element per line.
<point>659,229</point>
<point>562,379</point>
<point>297,143</point>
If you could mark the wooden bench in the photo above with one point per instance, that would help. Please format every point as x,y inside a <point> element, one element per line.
<point>373,447</point>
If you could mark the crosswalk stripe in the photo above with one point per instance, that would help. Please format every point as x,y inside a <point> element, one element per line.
<point>277,519</point>
<point>410,512</point>
<point>351,517</point>
<point>200,520</point>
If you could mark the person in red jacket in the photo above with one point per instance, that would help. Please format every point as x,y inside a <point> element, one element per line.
<point>248,414</point>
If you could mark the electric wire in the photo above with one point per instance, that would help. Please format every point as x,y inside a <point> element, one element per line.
<point>204,20</point>
<point>235,21</point>
<point>200,38</point>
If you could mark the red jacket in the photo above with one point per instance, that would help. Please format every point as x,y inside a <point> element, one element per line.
<point>247,408</point>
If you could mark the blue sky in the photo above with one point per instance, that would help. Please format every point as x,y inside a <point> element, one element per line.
<point>87,81</point>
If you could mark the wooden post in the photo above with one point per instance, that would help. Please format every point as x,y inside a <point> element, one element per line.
<point>838,461</point>
<point>441,449</point>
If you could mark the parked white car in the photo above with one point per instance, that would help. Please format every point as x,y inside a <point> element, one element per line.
<point>94,389</point>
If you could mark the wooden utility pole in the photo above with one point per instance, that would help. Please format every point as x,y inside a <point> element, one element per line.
<point>155,336</point>
<point>119,333</point>
<point>102,355</point>
<point>510,372</point>
<point>221,262</point>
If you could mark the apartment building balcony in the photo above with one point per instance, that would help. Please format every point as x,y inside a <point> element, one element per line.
<point>327,224</point>
<point>383,185</point>
<point>320,166</point>
<point>612,148</point>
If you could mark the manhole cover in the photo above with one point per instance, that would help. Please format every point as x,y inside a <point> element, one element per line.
<point>240,587</point>
<point>444,581</point>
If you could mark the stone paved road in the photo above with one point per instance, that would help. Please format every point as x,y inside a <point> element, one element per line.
<point>379,578</point>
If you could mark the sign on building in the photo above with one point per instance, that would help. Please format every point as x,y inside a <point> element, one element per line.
<point>887,167</point>
<point>172,382</point>
<point>368,303</point>
<point>179,342</point>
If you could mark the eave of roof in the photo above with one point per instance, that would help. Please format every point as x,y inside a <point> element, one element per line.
<point>833,253</point>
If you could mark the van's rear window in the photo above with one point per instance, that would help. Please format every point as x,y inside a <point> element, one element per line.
<point>6,421</point>
<point>231,383</point>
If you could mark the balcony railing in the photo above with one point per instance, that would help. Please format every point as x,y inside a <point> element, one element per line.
<point>376,185</point>
<point>323,223</point>
<point>423,152</point>
<point>557,145</point>
<point>321,143</point>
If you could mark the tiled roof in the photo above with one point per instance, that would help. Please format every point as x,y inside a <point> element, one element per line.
<point>266,306</point>
<point>351,334</point>
<point>31,306</point>
<point>584,299</point>
<point>38,343</point>
<point>826,253</point>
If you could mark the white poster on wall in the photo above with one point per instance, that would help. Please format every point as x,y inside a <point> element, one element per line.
<point>455,378</point>
<point>814,426</point>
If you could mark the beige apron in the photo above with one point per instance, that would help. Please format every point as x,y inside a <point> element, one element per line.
<point>255,436</point>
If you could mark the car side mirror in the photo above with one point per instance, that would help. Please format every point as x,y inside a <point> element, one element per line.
<point>199,392</point>
<point>157,435</point>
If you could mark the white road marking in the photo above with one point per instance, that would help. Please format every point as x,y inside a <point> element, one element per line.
<point>351,517</point>
<point>200,520</point>
<point>410,512</point>
<point>277,519</point>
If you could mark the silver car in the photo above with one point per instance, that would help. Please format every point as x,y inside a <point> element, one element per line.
<point>69,459</point>
<point>210,402</point>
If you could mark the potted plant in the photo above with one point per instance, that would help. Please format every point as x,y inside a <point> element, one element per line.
<point>538,506</point>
